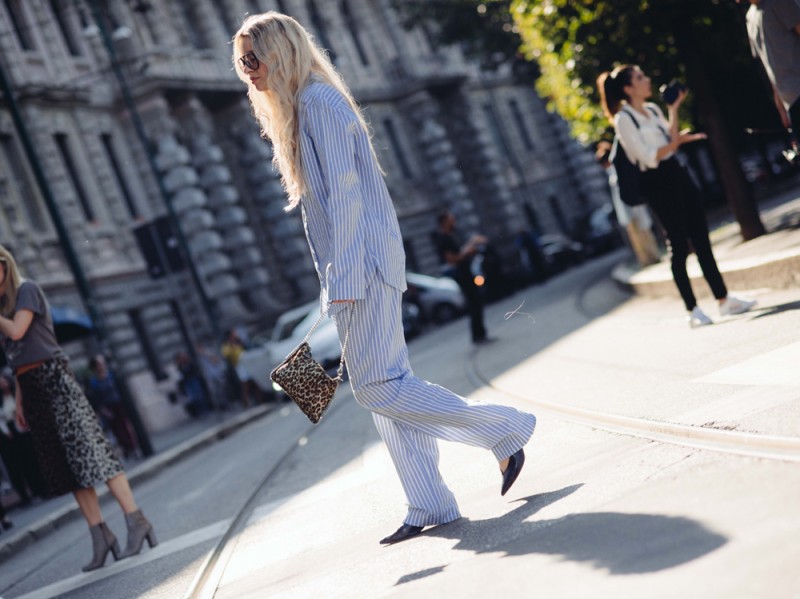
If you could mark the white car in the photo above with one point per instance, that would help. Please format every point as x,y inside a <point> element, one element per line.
<point>288,332</point>
<point>438,298</point>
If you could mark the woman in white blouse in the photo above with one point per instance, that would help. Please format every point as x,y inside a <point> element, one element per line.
<point>651,141</point>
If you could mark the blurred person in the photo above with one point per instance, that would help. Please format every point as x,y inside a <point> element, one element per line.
<point>635,220</point>
<point>232,349</point>
<point>104,397</point>
<point>212,369</point>
<point>16,448</point>
<point>72,450</point>
<point>457,263</point>
<point>665,184</point>
<point>190,385</point>
<point>531,255</point>
<point>773,28</point>
<point>325,156</point>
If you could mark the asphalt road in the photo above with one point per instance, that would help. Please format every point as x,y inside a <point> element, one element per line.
<point>593,514</point>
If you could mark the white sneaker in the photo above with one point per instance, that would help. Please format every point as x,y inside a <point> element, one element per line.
<point>735,305</point>
<point>698,318</point>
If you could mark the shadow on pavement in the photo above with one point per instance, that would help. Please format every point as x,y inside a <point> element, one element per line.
<point>761,312</point>
<point>617,542</point>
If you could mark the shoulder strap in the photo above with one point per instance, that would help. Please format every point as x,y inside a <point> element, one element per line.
<point>322,315</point>
<point>633,118</point>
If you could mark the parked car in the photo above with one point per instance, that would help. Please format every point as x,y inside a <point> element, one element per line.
<point>289,331</point>
<point>601,234</point>
<point>439,299</point>
<point>560,252</point>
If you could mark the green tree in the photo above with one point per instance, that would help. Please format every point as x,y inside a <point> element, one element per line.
<point>573,41</point>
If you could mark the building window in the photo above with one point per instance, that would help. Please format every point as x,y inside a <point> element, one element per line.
<point>495,129</point>
<point>111,154</point>
<point>521,126</point>
<point>145,339</point>
<point>72,171</point>
<point>194,34</point>
<point>318,23</point>
<point>391,133</point>
<point>352,26</point>
<point>67,26</point>
<point>12,164</point>
<point>20,23</point>
<point>224,16</point>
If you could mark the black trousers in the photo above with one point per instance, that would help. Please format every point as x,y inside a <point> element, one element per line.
<point>675,199</point>
<point>474,299</point>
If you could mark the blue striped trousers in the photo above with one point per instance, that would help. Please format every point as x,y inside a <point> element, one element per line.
<point>410,413</point>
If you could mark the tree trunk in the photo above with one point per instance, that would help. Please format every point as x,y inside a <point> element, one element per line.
<point>737,189</point>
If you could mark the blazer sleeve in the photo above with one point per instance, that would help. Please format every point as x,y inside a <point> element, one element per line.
<point>333,130</point>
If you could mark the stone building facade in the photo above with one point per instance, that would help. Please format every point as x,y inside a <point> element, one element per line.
<point>447,134</point>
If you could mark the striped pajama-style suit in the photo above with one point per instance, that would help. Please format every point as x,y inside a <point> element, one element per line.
<point>357,248</point>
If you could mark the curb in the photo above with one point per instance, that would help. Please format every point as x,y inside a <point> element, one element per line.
<point>139,473</point>
<point>776,271</point>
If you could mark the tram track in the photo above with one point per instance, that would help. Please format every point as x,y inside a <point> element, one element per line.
<point>207,579</point>
<point>773,447</point>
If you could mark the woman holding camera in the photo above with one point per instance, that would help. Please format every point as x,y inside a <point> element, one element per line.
<point>651,141</point>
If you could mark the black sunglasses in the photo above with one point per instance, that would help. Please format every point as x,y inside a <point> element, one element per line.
<point>250,61</point>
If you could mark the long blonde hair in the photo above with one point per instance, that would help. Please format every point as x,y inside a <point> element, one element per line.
<point>8,300</point>
<point>292,57</point>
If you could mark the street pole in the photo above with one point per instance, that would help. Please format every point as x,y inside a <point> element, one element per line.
<point>141,133</point>
<point>71,256</point>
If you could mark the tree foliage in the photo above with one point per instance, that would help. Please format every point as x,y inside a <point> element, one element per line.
<point>573,41</point>
<point>483,29</point>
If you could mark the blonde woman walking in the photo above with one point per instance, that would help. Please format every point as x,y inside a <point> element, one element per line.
<point>323,151</point>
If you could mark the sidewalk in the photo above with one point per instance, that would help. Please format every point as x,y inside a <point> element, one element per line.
<point>34,522</point>
<point>770,261</point>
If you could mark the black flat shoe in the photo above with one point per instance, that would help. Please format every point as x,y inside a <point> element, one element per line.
<point>401,534</point>
<point>512,471</point>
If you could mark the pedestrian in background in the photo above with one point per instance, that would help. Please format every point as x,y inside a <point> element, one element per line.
<point>16,448</point>
<point>72,450</point>
<point>773,27</point>
<point>329,169</point>
<point>457,262</point>
<point>651,141</point>
<point>191,386</point>
<point>635,220</point>
<point>103,395</point>
<point>232,349</point>
<point>213,369</point>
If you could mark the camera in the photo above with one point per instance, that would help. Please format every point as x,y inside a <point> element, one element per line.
<point>670,91</point>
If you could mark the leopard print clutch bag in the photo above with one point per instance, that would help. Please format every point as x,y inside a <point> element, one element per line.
<point>304,379</point>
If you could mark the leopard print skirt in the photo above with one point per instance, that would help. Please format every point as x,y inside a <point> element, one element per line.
<point>72,450</point>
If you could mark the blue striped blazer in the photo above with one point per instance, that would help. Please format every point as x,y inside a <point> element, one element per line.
<point>348,216</point>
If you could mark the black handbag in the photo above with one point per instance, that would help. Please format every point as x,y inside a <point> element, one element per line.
<point>629,176</point>
<point>304,379</point>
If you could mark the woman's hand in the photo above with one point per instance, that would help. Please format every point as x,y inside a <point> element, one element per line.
<point>343,301</point>
<point>19,416</point>
<point>686,136</point>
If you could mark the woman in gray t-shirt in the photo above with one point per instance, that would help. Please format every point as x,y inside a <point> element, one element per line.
<point>73,453</point>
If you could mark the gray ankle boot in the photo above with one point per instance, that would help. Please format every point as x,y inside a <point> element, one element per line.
<point>139,529</point>
<point>103,541</point>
